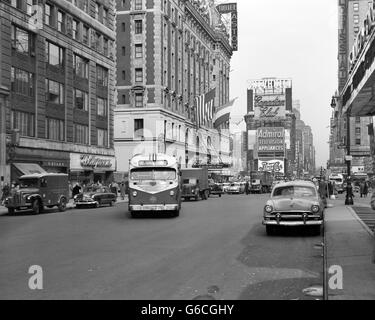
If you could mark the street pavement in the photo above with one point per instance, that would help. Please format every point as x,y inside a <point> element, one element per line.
<point>216,249</point>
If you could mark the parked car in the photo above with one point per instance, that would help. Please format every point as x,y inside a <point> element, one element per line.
<point>216,189</point>
<point>294,203</point>
<point>226,186</point>
<point>95,197</point>
<point>37,191</point>
<point>236,188</point>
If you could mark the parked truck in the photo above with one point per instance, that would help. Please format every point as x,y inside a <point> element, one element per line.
<point>195,184</point>
<point>261,182</point>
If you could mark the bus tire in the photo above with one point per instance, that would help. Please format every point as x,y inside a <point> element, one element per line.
<point>11,211</point>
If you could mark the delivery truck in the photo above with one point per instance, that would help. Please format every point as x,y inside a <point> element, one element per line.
<point>261,182</point>
<point>195,184</point>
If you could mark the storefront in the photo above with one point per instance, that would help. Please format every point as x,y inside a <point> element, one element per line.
<point>89,168</point>
<point>29,161</point>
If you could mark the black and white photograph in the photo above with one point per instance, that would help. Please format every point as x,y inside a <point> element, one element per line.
<point>200,152</point>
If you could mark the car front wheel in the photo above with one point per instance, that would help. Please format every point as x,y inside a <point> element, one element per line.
<point>36,207</point>
<point>62,205</point>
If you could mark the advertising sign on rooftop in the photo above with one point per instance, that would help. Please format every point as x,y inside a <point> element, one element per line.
<point>270,106</point>
<point>271,140</point>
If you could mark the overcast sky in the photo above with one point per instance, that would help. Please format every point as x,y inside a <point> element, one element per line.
<point>293,39</point>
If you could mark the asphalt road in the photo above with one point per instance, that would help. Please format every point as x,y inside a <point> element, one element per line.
<point>216,249</point>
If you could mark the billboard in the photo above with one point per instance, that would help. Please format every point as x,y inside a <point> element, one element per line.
<point>270,141</point>
<point>269,106</point>
<point>274,166</point>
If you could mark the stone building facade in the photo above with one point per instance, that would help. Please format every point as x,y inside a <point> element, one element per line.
<point>58,65</point>
<point>168,53</point>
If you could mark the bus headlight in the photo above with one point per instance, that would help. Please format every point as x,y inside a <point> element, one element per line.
<point>135,193</point>
<point>172,193</point>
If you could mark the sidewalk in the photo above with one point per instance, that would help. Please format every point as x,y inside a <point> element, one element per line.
<point>70,205</point>
<point>350,245</point>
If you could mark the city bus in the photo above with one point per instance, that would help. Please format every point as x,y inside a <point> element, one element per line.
<point>154,184</point>
<point>338,179</point>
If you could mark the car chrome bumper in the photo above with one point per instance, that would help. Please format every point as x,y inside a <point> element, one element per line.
<point>154,207</point>
<point>293,220</point>
<point>87,203</point>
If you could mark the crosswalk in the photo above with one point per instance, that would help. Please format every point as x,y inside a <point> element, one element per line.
<point>367,215</point>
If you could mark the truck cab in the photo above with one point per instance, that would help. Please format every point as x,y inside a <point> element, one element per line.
<point>195,184</point>
<point>39,190</point>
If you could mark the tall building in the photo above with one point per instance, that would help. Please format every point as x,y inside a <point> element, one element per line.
<point>352,14</point>
<point>168,54</point>
<point>57,68</point>
<point>271,126</point>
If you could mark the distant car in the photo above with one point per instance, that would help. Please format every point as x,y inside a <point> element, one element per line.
<point>226,186</point>
<point>216,189</point>
<point>236,188</point>
<point>294,203</point>
<point>95,197</point>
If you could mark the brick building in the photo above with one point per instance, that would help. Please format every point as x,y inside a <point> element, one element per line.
<point>58,69</point>
<point>168,53</point>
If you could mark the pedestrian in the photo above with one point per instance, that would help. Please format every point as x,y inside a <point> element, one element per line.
<point>362,188</point>
<point>113,187</point>
<point>323,191</point>
<point>5,193</point>
<point>247,187</point>
<point>76,190</point>
<point>122,190</point>
<point>365,189</point>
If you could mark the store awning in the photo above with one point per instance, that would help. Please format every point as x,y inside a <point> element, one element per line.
<point>29,168</point>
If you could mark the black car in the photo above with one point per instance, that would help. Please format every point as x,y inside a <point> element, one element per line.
<point>95,197</point>
<point>216,189</point>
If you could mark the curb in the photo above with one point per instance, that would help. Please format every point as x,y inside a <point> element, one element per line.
<point>364,225</point>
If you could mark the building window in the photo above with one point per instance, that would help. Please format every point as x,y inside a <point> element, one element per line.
<point>54,92</point>
<point>80,134</point>
<point>102,138</point>
<point>105,47</point>
<point>55,129</point>
<point>139,75</point>
<point>16,4</point>
<point>22,82</point>
<point>123,27</point>
<point>138,51</point>
<point>102,106</point>
<point>138,26</point>
<point>138,128</point>
<point>356,19</point>
<point>24,122</point>
<point>123,50</point>
<point>357,119</point>
<point>81,100</point>
<point>137,4</point>
<point>123,75</point>
<point>80,66</point>
<point>60,21</point>
<point>356,7</point>
<point>81,4</point>
<point>102,76</point>
<point>357,130</point>
<point>21,39</point>
<point>54,54</point>
<point>105,17</point>
<point>75,34</point>
<point>123,99</point>
<point>139,100</point>
<point>29,7</point>
<point>48,14</point>
<point>96,11</point>
<point>85,35</point>
<point>358,141</point>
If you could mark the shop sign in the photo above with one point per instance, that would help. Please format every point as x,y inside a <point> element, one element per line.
<point>271,139</point>
<point>274,166</point>
<point>89,161</point>
<point>269,106</point>
<point>55,164</point>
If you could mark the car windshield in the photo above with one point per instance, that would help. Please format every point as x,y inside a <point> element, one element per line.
<point>29,183</point>
<point>294,191</point>
<point>153,174</point>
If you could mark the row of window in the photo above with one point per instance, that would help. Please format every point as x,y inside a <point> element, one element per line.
<point>22,82</point>
<point>55,129</point>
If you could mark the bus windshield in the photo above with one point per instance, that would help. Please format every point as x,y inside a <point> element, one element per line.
<point>153,174</point>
